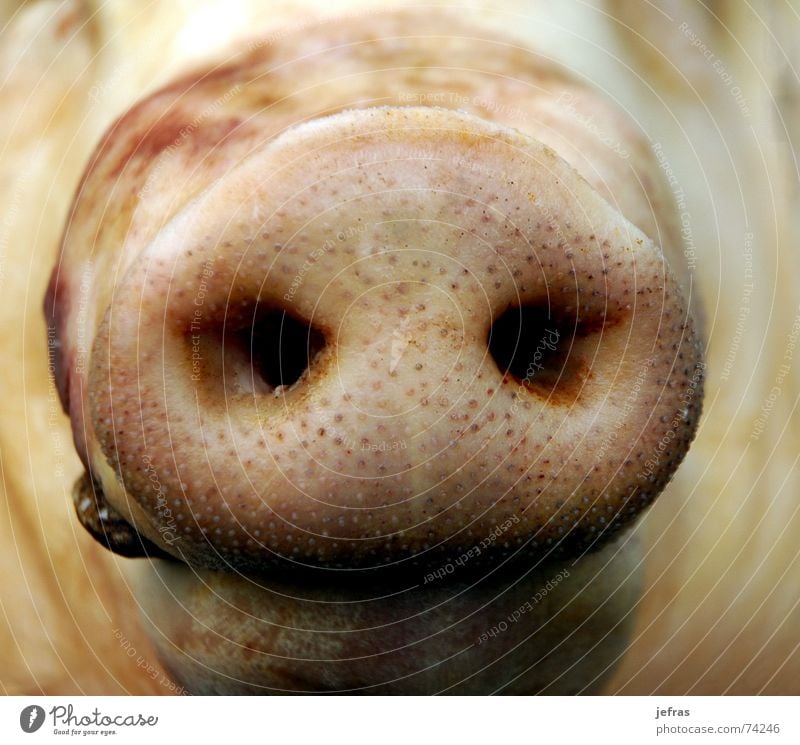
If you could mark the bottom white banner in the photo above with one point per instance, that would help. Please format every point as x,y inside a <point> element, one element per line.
<point>353,720</point>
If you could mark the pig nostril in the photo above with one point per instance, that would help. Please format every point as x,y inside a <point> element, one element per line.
<point>538,350</point>
<point>276,347</point>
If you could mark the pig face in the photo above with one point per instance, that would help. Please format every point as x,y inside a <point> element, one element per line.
<point>307,326</point>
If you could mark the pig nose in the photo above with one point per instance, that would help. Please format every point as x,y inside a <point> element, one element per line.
<point>386,334</point>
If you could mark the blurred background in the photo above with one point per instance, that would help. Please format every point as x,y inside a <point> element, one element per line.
<point>714,85</point>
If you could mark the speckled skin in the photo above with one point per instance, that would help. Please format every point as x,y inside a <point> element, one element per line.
<point>364,461</point>
<point>447,219</point>
<point>399,211</point>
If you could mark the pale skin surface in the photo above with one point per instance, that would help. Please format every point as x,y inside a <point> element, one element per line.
<point>109,650</point>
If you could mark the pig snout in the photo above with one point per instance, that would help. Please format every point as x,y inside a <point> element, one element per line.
<point>387,333</point>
